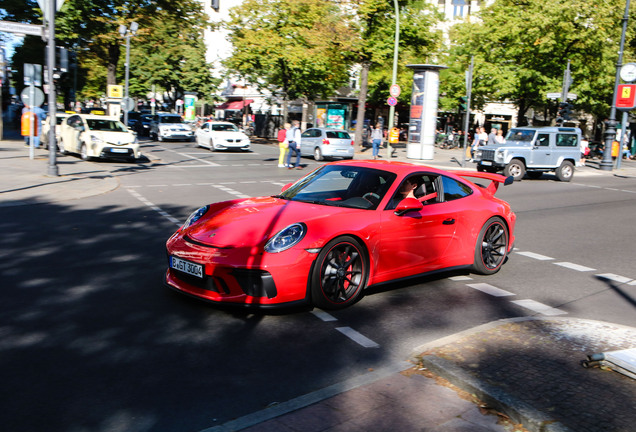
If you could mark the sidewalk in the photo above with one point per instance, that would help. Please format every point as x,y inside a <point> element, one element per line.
<point>526,369</point>
<point>25,181</point>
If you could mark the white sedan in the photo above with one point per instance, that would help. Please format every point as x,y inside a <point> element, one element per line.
<point>221,136</point>
<point>96,136</point>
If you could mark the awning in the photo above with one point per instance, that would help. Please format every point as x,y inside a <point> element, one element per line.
<point>234,105</point>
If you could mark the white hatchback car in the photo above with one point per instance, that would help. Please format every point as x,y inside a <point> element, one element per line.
<point>221,136</point>
<point>326,143</point>
<point>96,136</point>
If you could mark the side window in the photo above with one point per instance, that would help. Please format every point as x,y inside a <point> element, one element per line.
<point>205,127</point>
<point>543,140</point>
<point>315,133</point>
<point>416,186</point>
<point>306,134</point>
<point>454,190</point>
<point>566,140</point>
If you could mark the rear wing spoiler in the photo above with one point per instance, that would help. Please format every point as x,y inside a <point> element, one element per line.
<point>495,179</point>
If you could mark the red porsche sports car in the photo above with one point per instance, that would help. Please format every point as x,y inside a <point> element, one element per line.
<point>342,228</point>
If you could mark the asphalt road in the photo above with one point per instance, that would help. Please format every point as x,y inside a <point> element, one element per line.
<point>93,341</point>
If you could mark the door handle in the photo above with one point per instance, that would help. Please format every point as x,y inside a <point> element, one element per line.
<point>448,221</point>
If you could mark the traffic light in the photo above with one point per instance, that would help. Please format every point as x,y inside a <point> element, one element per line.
<point>463,103</point>
<point>565,111</point>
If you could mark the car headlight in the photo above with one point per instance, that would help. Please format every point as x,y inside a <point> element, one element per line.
<point>286,238</point>
<point>96,139</point>
<point>195,216</point>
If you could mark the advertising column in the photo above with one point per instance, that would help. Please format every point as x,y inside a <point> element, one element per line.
<point>423,117</point>
<point>190,112</point>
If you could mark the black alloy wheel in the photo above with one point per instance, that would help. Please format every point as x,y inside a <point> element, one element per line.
<point>491,247</point>
<point>340,274</point>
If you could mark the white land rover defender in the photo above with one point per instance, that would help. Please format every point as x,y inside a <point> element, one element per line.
<point>533,150</point>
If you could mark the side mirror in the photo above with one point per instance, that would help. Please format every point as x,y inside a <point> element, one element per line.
<point>407,205</point>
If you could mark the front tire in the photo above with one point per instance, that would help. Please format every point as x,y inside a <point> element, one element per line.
<point>491,247</point>
<point>565,172</point>
<point>84,153</point>
<point>516,169</point>
<point>340,274</point>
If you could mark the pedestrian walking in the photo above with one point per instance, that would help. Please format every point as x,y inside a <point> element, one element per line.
<point>492,137</point>
<point>283,145</point>
<point>376,140</point>
<point>293,139</point>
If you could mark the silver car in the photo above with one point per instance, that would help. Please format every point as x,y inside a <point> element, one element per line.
<point>326,143</point>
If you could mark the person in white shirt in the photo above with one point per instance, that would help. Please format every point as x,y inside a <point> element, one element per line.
<point>293,139</point>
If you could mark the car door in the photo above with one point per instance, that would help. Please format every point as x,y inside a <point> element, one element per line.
<point>542,151</point>
<point>203,135</point>
<point>421,241</point>
<point>307,139</point>
<point>70,133</point>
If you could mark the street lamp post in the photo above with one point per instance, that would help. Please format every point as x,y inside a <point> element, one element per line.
<point>611,123</point>
<point>127,33</point>
<point>396,46</point>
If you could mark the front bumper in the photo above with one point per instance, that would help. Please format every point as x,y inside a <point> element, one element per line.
<point>235,276</point>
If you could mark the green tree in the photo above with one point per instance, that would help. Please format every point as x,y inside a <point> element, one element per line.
<point>521,49</point>
<point>374,21</point>
<point>298,47</point>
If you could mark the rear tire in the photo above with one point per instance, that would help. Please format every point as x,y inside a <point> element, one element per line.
<point>318,154</point>
<point>565,172</point>
<point>340,274</point>
<point>491,247</point>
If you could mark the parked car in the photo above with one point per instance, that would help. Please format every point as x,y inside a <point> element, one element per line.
<point>344,227</point>
<point>46,127</point>
<point>533,150</point>
<point>143,126</point>
<point>217,135</point>
<point>326,143</point>
<point>170,127</point>
<point>96,136</point>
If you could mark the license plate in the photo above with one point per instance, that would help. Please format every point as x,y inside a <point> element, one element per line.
<point>119,150</point>
<point>486,163</point>
<point>186,267</point>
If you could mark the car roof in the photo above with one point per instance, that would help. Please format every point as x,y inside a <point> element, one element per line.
<point>96,117</point>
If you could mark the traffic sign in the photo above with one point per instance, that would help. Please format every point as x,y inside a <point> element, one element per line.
<point>128,104</point>
<point>38,96</point>
<point>626,97</point>
<point>114,91</point>
<point>395,90</point>
<point>21,28</point>
<point>391,101</point>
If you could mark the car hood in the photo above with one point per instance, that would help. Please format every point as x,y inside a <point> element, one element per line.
<point>506,144</point>
<point>251,222</point>
<point>118,138</point>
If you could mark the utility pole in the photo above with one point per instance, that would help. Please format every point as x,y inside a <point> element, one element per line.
<point>469,90</point>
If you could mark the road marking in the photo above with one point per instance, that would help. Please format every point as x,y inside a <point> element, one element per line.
<point>460,278</point>
<point>231,191</point>
<point>324,315</point>
<point>189,155</point>
<point>359,338</point>
<point>535,256</point>
<point>154,207</point>
<point>537,307</point>
<point>573,266</point>
<point>614,277</point>
<point>491,290</point>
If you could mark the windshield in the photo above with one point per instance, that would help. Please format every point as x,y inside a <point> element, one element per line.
<point>106,125</point>
<point>520,135</point>
<point>170,119</point>
<point>343,186</point>
<point>229,127</point>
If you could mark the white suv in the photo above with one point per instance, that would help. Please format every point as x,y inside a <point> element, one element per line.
<point>170,127</point>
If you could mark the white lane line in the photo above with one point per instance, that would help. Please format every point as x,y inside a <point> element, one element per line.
<point>324,316</point>
<point>535,256</point>
<point>614,277</point>
<point>491,290</point>
<point>537,307</point>
<point>573,266</point>
<point>358,338</point>
<point>189,155</point>
<point>154,207</point>
<point>231,191</point>
<point>460,278</point>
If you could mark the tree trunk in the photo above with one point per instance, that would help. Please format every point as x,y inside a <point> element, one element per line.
<point>113,59</point>
<point>362,101</point>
